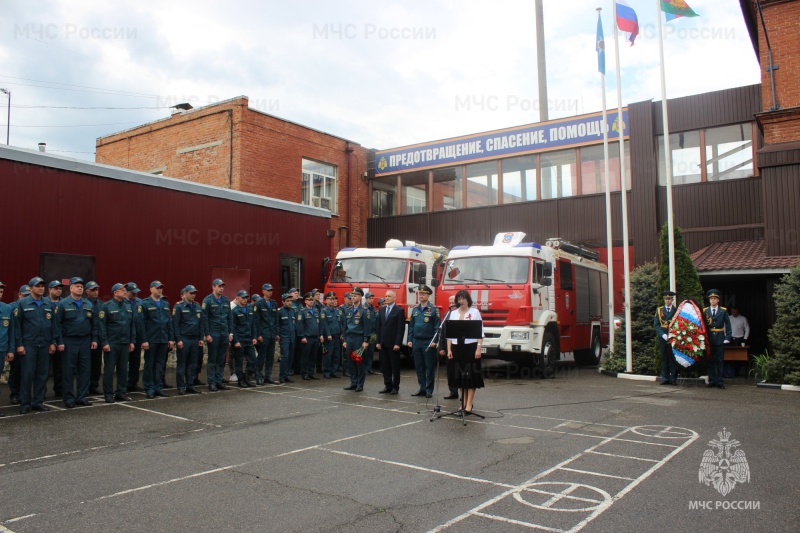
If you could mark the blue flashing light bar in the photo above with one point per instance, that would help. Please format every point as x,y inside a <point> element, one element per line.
<point>348,249</point>
<point>528,245</point>
<point>462,247</point>
<point>411,248</point>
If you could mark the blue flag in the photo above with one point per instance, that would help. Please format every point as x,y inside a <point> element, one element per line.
<point>600,46</point>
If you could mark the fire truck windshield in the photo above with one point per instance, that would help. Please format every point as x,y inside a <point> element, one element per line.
<point>487,270</point>
<point>368,270</point>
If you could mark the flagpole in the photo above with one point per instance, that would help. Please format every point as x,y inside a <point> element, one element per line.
<point>609,239</point>
<point>624,197</point>
<point>667,154</point>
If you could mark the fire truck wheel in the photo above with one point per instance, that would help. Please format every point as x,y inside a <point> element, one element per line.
<point>549,355</point>
<point>590,357</point>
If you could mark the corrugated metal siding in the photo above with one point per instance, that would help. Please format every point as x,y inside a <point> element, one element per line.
<point>781,196</point>
<point>141,233</point>
<point>724,203</point>
<point>717,108</point>
<point>643,226</point>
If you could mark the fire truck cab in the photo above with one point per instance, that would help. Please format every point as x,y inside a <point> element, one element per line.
<point>540,303</point>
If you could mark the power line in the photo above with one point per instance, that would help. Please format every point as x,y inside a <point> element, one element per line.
<point>76,125</point>
<point>23,106</point>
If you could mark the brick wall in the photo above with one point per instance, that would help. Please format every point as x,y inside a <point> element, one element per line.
<point>264,157</point>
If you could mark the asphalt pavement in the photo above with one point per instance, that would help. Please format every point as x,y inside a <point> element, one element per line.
<point>582,451</point>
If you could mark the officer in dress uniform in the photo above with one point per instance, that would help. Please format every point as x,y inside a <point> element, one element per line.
<point>718,324</point>
<point>91,293</point>
<point>135,357</point>
<point>188,340</point>
<point>422,327</point>
<point>15,372</point>
<point>77,334</point>
<point>332,317</point>
<point>266,312</point>
<point>157,341</point>
<point>34,336</point>
<point>6,334</point>
<point>244,339</point>
<point>347,305</point>
<point>217,329</point>
<point>117,336</point>
<point>664,314</point>
<point>357,333</point>
<point>311,332</point>
<point>54,290</point>
<point>286,338</point>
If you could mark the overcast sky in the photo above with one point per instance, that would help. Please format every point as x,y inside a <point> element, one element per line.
<point>383,74</point>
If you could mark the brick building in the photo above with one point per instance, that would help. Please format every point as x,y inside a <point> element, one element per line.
<point>232,146</point>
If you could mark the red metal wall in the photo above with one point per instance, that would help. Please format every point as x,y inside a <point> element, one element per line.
<point>143,233</point>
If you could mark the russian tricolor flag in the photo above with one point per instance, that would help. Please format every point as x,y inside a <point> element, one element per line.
<point>627,20</point>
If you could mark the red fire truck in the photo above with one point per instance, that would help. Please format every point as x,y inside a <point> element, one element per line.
<point>540,303</point>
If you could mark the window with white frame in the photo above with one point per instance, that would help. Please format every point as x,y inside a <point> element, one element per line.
<point>319,185</point>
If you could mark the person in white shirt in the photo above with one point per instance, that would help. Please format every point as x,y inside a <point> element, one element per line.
<point>740,328</point>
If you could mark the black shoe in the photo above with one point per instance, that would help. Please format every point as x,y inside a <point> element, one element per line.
<point>109,398</point>
<point>84,403</point>
<point>198,382</point>
<point>288,380</point>
<point>213,387</point>
<point>720,385</point>
<point>313,376</point>
<point>70,405</point>
<point>259,382</point>
<point>222,386</point>
<point>451,397</point>
<point>710,385</point>
<point>162,394</point>
<point>334,376</point>
<point>2,414</point>
<point>269,382</point>
<point>243,384</point>
<point>326,376</point>
<point>151,395</point>
<point>665,383</point>
<point>181,392</point>
<point>428,395</point>
<point>306,378</point>
<point>350,387</point>
<point>394,392</point>
<point>385,390</point>
<point>419,393</point>
<point>135,388</point>
<point>41,408</point>
<point>14,400</point>
<point>359,389</point>
<point>122,397</point>
<point>192,390</point>
<point>24,410</point>
<point>167,386</point>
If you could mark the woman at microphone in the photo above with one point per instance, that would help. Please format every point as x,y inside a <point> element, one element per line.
<point>466,352</point>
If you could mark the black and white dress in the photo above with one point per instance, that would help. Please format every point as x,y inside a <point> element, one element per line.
<point>467,369</point>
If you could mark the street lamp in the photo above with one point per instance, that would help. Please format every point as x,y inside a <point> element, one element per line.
<point>8,126</point>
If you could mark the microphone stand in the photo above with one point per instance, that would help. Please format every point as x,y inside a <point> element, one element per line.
<point>438,408</point>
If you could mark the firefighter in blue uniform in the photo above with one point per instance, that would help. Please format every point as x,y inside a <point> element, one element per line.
<point>310,333</point>
<point>54,290</point>
<point>6,334</point>
<point>244,339</point>
<point>298,305</point>
<point>157,340</point>
<point>135,356</point>
<point>15,372</point>
<point>286,338</point>
<point>347,305</point>
<point>91,292</point>
<point>332,317</point>
<point>188,340</point>
<point>718,324</point>
<point>217,329</point>
<point>117,336</point>
<point>369,353</point>
<point>664,314</point>
<point>77,334</point>
<point>357,334</point>
<point>35,340</point>
<point>422,327</point>
<point>266,311</point>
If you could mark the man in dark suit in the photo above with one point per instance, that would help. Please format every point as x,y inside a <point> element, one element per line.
<point>391,327</point>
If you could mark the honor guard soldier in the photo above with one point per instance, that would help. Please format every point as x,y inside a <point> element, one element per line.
<point>332,317</point>
<point>135,357</point>
<point>266,312</point>
<point>6,334</point>
<point>244,339</point>
<point>117,336</point>
<point>35,340</point>
<point>357,333</point>
<point>157,340</point>
<point>77,333</point>
<point>217,328</point>
<point>91,292</point>
<point>286,338</point>
<point>718,324</point>
<point>54,290</point>
<point>15,372</point>
<point>311,333</point>
<point>664,314</point>
<point>422,327</point>
<point>186,325</point>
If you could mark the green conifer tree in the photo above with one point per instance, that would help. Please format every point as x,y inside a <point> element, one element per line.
<point>785,333</point>
<point>687,282</point>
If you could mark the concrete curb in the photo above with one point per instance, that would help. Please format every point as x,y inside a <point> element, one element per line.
<point>641,377</point>
<point>792,388</point>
